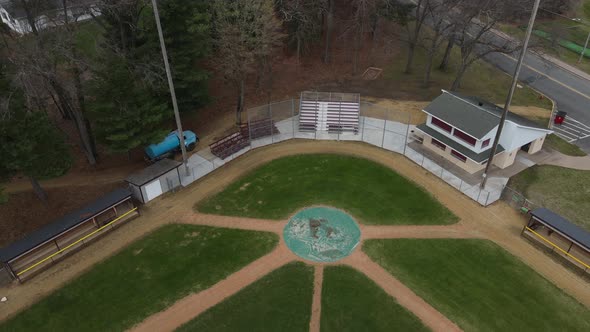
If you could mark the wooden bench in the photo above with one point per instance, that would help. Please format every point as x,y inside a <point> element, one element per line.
<point>229,144</point>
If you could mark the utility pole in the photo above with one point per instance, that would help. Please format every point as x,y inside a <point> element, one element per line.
<point>171,87</point>
<point>525,44</point>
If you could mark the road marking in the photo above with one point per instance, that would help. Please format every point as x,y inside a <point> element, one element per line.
<point>572,130</point>
<point>578,122</point>
<point>549,77</point>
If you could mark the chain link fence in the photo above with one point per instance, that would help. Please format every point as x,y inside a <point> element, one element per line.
<point>380,126</point>
<point>517,200</point>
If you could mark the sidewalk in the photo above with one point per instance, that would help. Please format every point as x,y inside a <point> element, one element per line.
<point>562,160</point>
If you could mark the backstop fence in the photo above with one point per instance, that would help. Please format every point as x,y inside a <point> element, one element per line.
<point>387,128</point>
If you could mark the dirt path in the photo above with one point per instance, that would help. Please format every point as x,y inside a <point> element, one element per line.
<point>404,296</point>
<point>234,222</point>
<point>191,306</point>
<point>499,223</point>
<point>457,231</point>
<point>316,304</point>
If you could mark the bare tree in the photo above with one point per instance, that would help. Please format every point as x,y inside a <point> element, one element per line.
<point>472,35</point>
<point>329,26</point>
<point>42,56</point>
<point>248,32</point>
<point>303,19</point>
<point>363,11</point>
<point>413,30</point>
<point>442,16</point>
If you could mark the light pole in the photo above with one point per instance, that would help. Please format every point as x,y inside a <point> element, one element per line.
<point>525,44</point>
<point>171,87</point>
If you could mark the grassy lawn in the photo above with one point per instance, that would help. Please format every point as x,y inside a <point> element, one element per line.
<point>373,193</point>
<point>479,286</point>
<point>562,190</point>
<point>481,79</point>
<point>144,278</point>
<point>353,302</point>
<point>280,301</point>
<point>559,144</point>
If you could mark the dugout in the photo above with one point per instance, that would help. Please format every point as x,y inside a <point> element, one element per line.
<point>560,236</point>
<point>40,249</point>
<point>154,180</point>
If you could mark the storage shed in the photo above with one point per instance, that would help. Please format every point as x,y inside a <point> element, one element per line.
<point>154,180</point>
<point>40,249</point>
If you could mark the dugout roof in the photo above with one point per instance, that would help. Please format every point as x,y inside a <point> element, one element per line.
<point>563,226</point>
<point>153,171</point>
<point>57,227</point>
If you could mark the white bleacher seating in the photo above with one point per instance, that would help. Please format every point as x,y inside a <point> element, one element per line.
<point>328,115</point>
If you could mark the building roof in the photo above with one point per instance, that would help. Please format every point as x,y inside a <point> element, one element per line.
<point>16,10</point>
<point>575,233</point>
<point>153,171</point>
<point>473,115</point>
<point>477,157</point>
<point>57,227</point>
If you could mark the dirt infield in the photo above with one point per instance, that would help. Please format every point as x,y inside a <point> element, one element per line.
<point>499,223</point>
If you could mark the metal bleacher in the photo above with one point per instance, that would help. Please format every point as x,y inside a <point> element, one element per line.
<point>331,112</point>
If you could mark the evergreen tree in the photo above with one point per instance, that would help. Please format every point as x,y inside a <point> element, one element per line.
<point>126,112</point>
<point>187,31</point>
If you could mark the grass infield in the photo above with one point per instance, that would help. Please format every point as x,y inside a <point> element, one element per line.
<point>280,301</point>
<point>371,192</point>
<point>353,302</point>
<point>479,286</point>
<point>144,278</point>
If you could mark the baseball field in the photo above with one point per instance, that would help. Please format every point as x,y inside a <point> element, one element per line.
<point>214,257</point>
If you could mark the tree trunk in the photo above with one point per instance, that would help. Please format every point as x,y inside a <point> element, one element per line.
<point>374,26</point>
<point>41,194</point>
<point>240,106</point>
<point>428,70</point>
<point>444,64</point>
<point>30,16</point>
<point>88,140</point>
<point>298,48</point>
<point>411,49</point>
<point>430,53</point>
<point>355,56</point>
<point>459,77</point>
<point>329,23</point>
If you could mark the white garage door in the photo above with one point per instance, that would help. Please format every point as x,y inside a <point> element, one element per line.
<point>153,190</point>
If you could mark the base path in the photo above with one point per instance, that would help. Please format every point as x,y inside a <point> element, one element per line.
<point>404,296</point>
<point>250,224</point>
<point>191,306</point>
<point>316,304</point>
<point>456,231</point>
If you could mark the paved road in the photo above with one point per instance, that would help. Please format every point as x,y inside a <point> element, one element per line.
<point>570,91</point>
